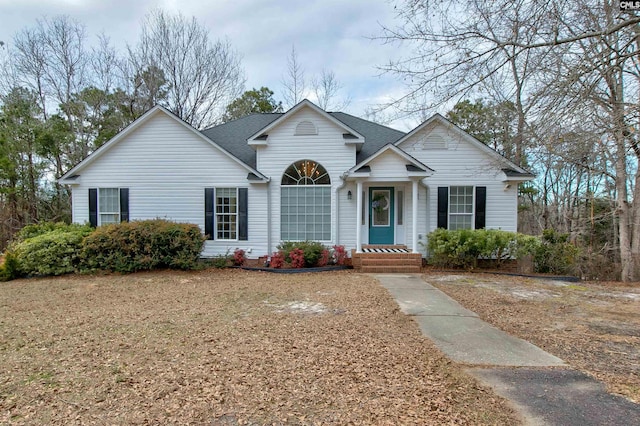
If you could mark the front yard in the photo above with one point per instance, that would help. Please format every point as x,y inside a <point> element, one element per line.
<point>224,347</point>
<point>594,327</point>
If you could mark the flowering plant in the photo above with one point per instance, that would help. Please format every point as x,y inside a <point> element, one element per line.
<point>339,254</point>
<point>239,257</point>
<point>277,260</point>
<point>297,258</point>
<point>324,258</point>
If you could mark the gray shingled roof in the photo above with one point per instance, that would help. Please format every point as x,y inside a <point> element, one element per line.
<point>233,135</point>
<point>375,135</point>
<point>514,173</point>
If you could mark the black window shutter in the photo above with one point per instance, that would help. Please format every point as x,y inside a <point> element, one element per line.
<point>443,207</point>
<point>124,204</point>
<point>208,213</point>
<point>243,222</point>
<point>93,207</point>
<point>481,206</point>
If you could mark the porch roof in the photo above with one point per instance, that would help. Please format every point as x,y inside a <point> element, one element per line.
<point>413,167</point>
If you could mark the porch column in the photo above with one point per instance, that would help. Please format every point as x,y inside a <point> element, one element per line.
<point>358,215</point>
<point>414,222</point>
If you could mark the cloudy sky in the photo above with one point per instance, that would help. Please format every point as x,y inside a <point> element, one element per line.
<point>330,34</point>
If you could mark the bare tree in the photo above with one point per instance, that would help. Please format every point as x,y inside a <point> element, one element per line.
<point>293,81</point>
<point>326,89</point>
<point>462,49</point>
<point>597,79</point>
<point>203,76</point>
<point>580,61</point>
<point>105,65</point>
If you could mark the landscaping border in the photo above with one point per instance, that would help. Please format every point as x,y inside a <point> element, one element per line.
<point>295,270</point>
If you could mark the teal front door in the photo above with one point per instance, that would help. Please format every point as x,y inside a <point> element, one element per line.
<point>381,216</point>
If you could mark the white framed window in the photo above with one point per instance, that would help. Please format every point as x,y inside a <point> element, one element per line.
<point>461,207</point>
<point>226,213</point>
<point>108,206</point>
<point>305,202</point>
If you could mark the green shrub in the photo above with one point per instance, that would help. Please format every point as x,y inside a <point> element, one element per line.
<point>221,261</point>
<point>312,251</point>
<point>34,230</point>
<point>453,248</point>
<point>9,269</point>
<point>143,245</point>
<point>462,248</point>
<point>555,254</point>
<point>43,250</point>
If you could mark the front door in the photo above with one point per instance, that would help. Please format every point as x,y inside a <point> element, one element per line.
<point>381,215</point>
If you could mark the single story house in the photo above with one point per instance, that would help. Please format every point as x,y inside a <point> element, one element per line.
<point>306,174</point>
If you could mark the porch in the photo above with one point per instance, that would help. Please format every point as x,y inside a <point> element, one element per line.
<point>386,259</point>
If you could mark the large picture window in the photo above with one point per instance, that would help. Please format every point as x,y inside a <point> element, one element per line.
<point>226,213</point>
<point>305,202</point>
<point>460,207</point>
<point>109,205</point>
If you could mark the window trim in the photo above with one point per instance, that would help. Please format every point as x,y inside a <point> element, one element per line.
<point>305,180</point>
<point>471,215</point>
<point>216,214</point>
<point>100,212</point>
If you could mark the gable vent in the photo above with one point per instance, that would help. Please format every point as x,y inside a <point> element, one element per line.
<point>435,142</point>
<point>306,128</point>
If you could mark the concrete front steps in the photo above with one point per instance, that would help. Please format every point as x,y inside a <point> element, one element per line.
<point>380,259</point>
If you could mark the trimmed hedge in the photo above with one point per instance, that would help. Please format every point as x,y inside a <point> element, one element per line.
<point>149,244</point>
<point>552,252</point>
<point>34,230</point>
<point>57,248</point>
<point>462,248</point>
<point>48,249</point>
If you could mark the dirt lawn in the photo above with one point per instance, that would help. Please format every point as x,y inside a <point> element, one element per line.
<point>594,327</point>
<point>224,347</point>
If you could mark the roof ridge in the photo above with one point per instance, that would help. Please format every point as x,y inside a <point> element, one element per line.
<point>242,118</point>
<point>367,121</point>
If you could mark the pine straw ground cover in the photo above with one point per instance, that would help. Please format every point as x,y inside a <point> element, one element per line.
<point>594,327</point>
<point>224,347</point>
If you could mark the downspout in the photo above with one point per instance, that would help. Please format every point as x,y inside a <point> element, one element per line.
<point>269,222</point>
<point>338,189</point>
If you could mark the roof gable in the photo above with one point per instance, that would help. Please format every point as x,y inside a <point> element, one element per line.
<point>413,166</point>
<point>71,176</point>
<point>260,137</point>
<point>438,119</point>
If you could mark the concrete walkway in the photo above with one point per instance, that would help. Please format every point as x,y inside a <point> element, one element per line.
<point>539,385</point>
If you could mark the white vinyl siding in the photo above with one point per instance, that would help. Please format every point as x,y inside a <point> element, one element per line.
<point>328,148</point>
<point>166,168</point>
<point>226,213</point>
<point>108,206</point>
<point>462,164</point>
<point>460,207</point>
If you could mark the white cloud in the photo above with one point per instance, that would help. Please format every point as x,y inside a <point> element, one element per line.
<point>329,34</point>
